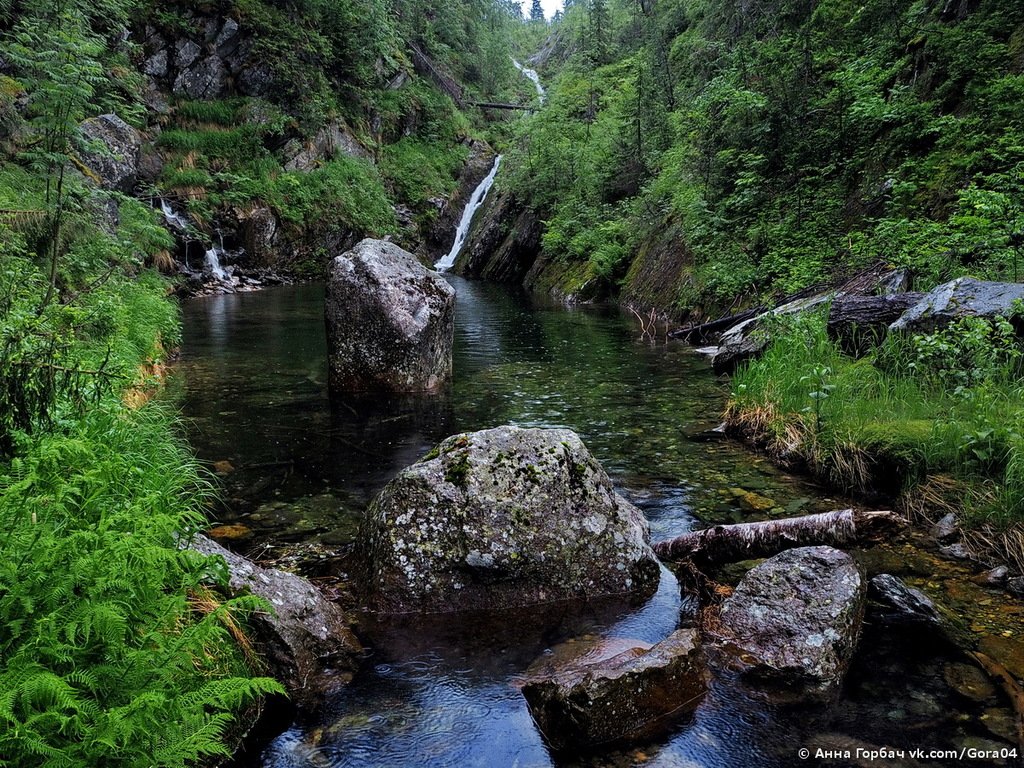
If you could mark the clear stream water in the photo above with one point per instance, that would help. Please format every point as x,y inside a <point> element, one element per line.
<point>298,471</point>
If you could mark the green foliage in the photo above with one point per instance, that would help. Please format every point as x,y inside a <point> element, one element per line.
<point>107,659</point>
<point>948,402</point>
<point>790,142</point>
<point>418,170</point>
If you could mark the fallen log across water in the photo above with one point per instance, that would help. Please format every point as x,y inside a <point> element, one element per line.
<point>745,541</point>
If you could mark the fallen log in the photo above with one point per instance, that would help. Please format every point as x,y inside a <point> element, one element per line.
<point>746,541</point>
<point>860,322</point>
<point>703,332</point>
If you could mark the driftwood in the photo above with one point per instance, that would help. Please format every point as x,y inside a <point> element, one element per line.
<point>501,105</point>
<point>745,541</point>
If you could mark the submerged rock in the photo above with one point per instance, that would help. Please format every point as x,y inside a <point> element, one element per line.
<point>501,518</point>
<point>793,621</point>
<point>633,695</point>
<point>963,297</point>
<point>390,321</point>
<point>306,641</point>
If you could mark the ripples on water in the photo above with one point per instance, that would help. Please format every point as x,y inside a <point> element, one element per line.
<point>444,692</point>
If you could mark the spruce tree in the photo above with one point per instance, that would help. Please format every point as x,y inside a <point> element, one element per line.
<point>536,11</point>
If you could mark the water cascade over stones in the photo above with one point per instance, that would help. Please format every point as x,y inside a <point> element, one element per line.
<point>503,518</point>
<point>533,77</point>
<point>212,264</point>
<point>390,322</point>
<point>462,232</point>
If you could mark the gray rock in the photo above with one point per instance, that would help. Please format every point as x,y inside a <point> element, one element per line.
<point>185,53</point>
<point>332,139</point>
<point>259,233</point>
<point>255,80</point>
<point>963,297</point>
<point>156,65</point>
<point>793,621</point>
<point>946,529</point>
<point>750,338</point>
<point>228,39</point>
<point>957,551</point>
<point>996,577</point>
<point>1015,584</point>
<point>504,244</point>
<point>390,321</point>
<point>900,604</point>
<point>634,695</point>
<point>111,152</point>
<point>202,81</point>
<point>307,640</point>
<point>502,518</point>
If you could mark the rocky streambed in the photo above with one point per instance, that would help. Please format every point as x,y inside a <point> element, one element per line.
<point>299,472</point>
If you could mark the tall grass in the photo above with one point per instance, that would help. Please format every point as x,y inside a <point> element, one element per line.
<point>946,403</point>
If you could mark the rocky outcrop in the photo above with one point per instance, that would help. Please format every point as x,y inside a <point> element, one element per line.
<point>214,56</point>
<point>793,622</point>
<point>503,518</point>
<point>963,297</point>
<point>503,244</point>
<point>633,695</point>
<point>110,152</point>
<point>390,321</point>
<point>333,139</point>
<point>306,640</point>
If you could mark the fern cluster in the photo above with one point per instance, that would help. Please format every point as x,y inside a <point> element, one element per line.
<point>109,656</point>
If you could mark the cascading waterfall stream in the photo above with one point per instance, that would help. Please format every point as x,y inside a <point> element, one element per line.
<point>179,223</point>
<point>475,201</point>
<point>532,76</point>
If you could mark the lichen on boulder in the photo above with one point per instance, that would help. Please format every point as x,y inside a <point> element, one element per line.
<point>503,518</point>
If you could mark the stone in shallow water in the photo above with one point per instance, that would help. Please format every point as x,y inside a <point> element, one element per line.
<point>390,322</point>
<point>633,695</point>
<point>793,621</point>
<point>502,518</point>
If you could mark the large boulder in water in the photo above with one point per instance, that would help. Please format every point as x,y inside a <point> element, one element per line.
<point>793,621</point>
<point>390,321</point>
<point>963,297</point>
<point>633,695</point>
<point>503,518</point>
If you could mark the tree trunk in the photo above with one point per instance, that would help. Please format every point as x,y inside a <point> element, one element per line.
<point>745,541</point>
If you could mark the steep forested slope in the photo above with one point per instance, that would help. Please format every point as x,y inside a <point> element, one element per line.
<point>696,152</point>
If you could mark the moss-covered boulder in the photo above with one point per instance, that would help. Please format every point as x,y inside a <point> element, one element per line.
<point>503,518</point>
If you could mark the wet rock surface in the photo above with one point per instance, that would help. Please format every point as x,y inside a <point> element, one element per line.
<point>307,640</point>
<point>793,621</point>
<point>963,297</point>
<point>632,695</point>
<point>502,518</point>
<point>390,321</point>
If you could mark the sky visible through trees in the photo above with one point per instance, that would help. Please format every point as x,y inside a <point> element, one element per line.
<point>549,6</point>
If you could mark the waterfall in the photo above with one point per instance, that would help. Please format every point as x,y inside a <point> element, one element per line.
<point>475,201</point>
<point>174,219</point>
<point>531,75</point>
<point>213,264</point>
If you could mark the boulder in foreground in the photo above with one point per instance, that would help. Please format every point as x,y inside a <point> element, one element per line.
<point>390,321</point>
<point>307,640</point>
<point>503,518</point>
<point>631,696</point>
<point>793,621</point>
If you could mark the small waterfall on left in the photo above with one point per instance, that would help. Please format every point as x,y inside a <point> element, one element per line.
<point>475,201</point>
<point>179,224</point>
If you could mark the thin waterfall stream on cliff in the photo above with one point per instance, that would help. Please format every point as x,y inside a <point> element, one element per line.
<point>298,472</point>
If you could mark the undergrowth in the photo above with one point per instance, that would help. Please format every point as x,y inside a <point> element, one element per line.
<point>945,404</point>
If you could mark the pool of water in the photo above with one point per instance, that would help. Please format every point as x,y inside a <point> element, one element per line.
<point>298,470</point>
